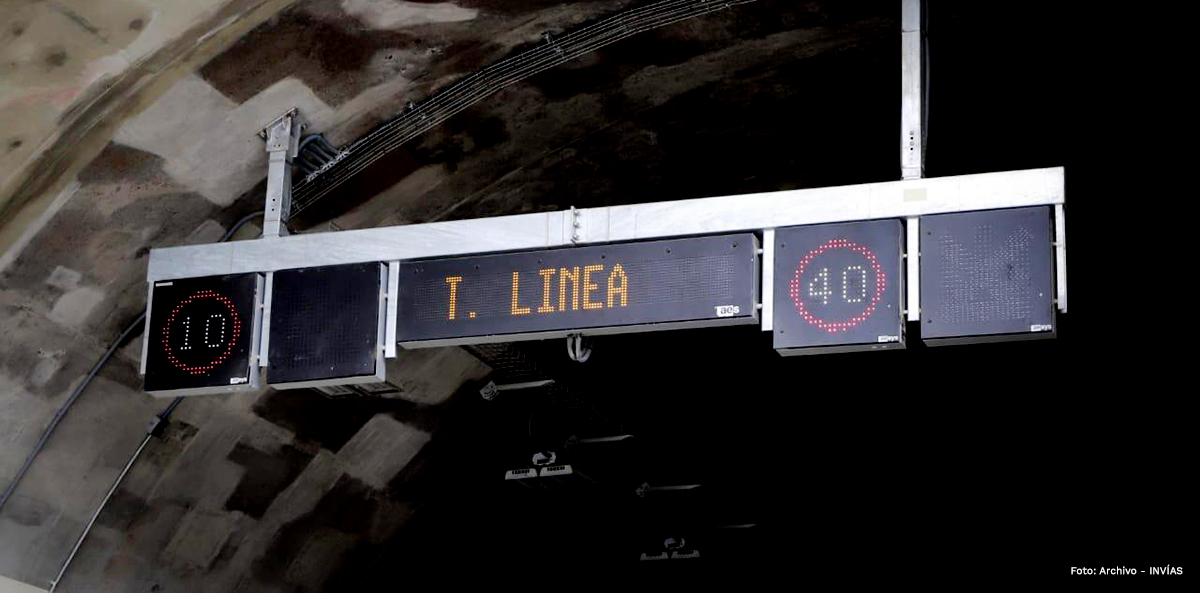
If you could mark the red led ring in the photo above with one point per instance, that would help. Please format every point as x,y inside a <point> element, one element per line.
<point>237,330</point>
<point>834,327</point>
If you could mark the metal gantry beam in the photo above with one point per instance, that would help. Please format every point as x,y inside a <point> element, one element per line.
<point>749,212</point>
<point>767,292</point>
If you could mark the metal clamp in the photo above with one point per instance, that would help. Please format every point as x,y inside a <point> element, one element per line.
<point>646,488</point>
<point>574,441</point>
<point>491,390</point>
<point>576,223</point>
<point>576,350</point>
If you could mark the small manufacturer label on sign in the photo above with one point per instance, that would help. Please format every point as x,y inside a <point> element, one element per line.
<point>237,380</point>
<point>728,310</point>
<point>556,470</point>
<point>886,339</point>
<point>520,474</point>
<point>1040,328</point>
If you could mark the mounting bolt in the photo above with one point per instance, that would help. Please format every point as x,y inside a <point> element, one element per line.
<point>575,216</point>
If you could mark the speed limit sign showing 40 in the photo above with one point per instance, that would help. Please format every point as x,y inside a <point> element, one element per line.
<point>839,287</point>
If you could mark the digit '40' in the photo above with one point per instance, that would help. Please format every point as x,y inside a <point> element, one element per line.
<point>854,285</point>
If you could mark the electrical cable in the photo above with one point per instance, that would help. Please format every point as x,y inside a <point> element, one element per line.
<point>237,226</point>
<point>476,94</point>
<point>303,163</point>
<point>62,411</point>
<point>414,111</point>
<point>95,515</point>
<point>492,79</point>
<point>390,136</point>
<point>385,133</point>
<point>161,417</point>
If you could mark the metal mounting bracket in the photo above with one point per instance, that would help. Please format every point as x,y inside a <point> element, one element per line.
<point>282,137</point>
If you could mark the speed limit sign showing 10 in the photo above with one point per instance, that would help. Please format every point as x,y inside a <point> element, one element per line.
<point>839,287</point>
<point>202,334</point>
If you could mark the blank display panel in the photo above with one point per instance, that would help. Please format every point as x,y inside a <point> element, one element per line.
<point>839,287</point>
<point>987,275</point>
<point>201,335</point>
<point>325,323</point>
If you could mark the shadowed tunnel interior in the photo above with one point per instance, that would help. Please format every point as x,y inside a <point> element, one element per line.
<point>869,463</point>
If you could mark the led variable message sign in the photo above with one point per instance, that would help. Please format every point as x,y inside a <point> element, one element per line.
<point>625,287</point>
<point>839,287</point>
<point>202,335</point>
<point>987,276</point>
<point>326,326</point>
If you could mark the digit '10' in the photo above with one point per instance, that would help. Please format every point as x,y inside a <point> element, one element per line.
<point>819,287</point>
<point>208,332</point>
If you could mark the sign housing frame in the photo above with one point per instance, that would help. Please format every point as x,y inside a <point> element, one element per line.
<point>892,257</point>
<point>254,380</point>
<point>750,316</point>
<point>381,321</point>
<point>1049,266</point>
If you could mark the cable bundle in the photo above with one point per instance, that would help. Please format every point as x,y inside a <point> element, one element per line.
<point>419,118</point>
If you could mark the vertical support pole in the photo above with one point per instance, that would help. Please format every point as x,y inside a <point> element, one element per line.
<point>912,229</point>
<point>282,136</point>
<point>1060,253</point>
<point>265,332</point>
<point>393,304</point>
<point>146,330</point>
<point>767,315</point>
<point>381,340</point>
<point>256,333</point>
<point>912,164</point>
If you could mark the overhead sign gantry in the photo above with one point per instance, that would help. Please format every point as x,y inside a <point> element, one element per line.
<point>830,271</point>
<point>973,257</point>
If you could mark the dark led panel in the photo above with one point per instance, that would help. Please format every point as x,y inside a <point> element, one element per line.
<point>839,287</point>
<point>611,288</point>
<point>202,334</point>
<point>987,276</point>
<point>326,326</point>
